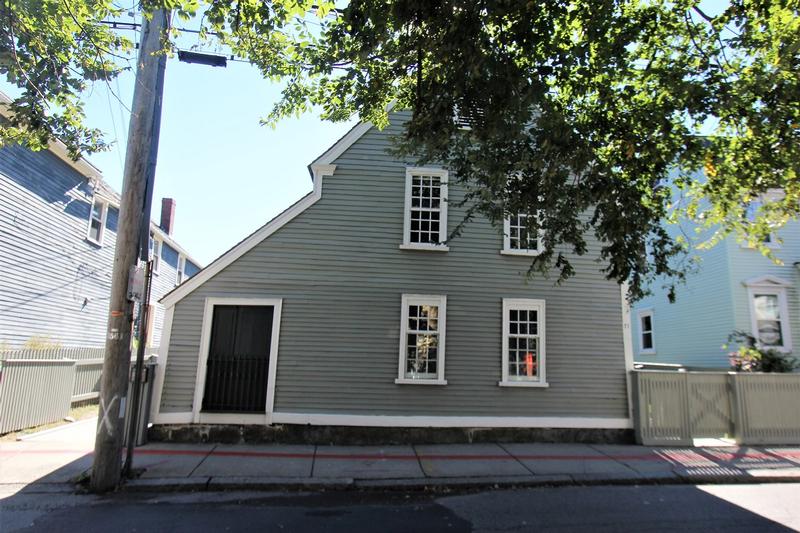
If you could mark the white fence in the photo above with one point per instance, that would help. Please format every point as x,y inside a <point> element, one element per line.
<point>674,408</point>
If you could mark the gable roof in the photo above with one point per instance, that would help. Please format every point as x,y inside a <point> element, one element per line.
<point>320,167</point>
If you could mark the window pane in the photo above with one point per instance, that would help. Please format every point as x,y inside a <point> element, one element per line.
<point>94,230</point>
<point>647,341</point>
<point>523,358</point>
<point>769,333</point>
<point>766,306</point>
<point>647,324</point>
<point>520,238</point>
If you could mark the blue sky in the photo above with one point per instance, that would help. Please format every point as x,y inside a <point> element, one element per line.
<point>228,174</point>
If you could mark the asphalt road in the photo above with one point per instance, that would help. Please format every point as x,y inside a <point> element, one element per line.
<point>729,508</point>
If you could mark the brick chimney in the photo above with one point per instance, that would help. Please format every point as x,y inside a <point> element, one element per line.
<point>168,215</point>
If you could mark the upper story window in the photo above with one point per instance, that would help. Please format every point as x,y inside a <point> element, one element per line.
<point>518,239</point>
<point>425,219</point>
<point>422,333</point>
<point>181,274</point>
<point>647,342</point>
<point>523,343</point>
<point>97,221</point>
<point>773,195</point>
<point>155,253</point>
<point>769,312</point>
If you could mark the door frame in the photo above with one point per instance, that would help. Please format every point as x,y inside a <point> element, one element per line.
<point>202,358</point>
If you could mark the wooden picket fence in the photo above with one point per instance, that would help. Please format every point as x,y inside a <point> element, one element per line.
<point>674,408</point>
<point>39,386</point>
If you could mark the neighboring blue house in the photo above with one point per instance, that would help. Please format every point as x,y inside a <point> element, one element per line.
<point>58,225</point>
<point>735,288</point>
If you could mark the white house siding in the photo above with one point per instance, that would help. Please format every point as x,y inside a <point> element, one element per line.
<point>53,282</point>
<point>340,273</point>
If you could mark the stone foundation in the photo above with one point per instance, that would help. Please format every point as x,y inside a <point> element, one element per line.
<point>359,436</point>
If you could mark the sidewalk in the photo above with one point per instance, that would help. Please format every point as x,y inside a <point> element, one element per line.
<point>49,462</point>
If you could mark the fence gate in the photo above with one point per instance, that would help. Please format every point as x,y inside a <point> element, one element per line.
<point>710,413</point>
<point>674,408</point>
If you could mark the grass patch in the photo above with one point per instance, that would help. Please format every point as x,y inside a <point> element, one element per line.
<point>80,412</point>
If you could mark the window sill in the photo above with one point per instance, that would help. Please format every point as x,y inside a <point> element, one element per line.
<point>426,247</point>
<point>407,381</point>
<point>524,253</point>
<point>99,244</point>
<point>781,349</point>
<point>530,384</point>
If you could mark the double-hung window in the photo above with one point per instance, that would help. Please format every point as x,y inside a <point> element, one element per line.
<point>523,343</point>
<point>422,335</point>
<point>647,342</point>
<point>97,221</point>
<point>155,253</point>
<point>425,219</point>
<point>769,312</point>
<point>518,239</point>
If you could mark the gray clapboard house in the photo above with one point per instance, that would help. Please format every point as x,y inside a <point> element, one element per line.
<point>58,223</point>
<point>346,311</point>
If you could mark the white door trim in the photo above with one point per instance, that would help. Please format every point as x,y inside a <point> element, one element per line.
<point>205,342</point>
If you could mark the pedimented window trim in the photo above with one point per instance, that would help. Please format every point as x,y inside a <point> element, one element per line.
<point>775,286</point>
<point>766,281</point>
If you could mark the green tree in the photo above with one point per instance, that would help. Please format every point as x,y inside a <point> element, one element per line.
<point>583,112</point>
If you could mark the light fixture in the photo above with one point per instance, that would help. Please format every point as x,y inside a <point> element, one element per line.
<point>212,60</point>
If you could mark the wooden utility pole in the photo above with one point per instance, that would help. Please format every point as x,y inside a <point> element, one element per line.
<point>134,215</point>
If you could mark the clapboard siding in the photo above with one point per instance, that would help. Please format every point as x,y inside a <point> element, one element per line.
<point>714,301</point>
<point>747,263</point>
<point>693,329</point>
<point>55,284</point>
<point>340,273</point>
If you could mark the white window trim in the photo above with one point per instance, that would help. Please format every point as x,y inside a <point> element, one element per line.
<point>180,273</point>
<point>202,359</point>
<point>407,244</point>
<point>770,286</point>
<point>157,243</point>
<point>422,299</point>
<point>103,219</point>
<point>507,250</point>
<point>640,314</point>
<point>539,307</point>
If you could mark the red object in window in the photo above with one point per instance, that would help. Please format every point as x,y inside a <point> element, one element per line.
<point>530,365</point>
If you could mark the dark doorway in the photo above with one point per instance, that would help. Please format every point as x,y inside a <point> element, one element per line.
<point>237,369</point>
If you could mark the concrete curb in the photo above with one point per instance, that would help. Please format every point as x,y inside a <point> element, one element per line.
<point>434,484</point>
